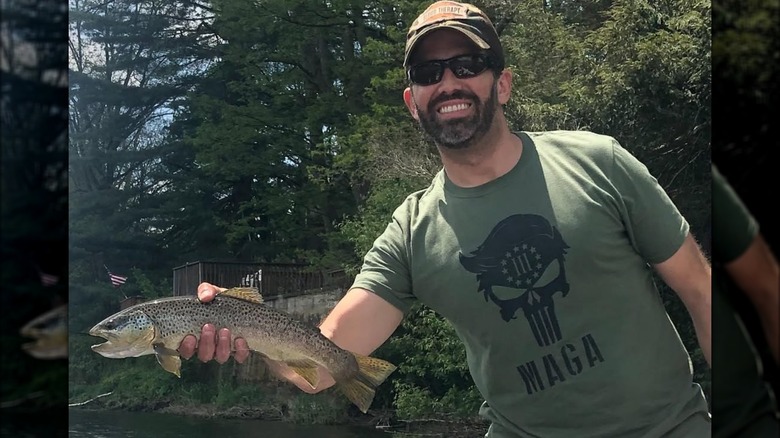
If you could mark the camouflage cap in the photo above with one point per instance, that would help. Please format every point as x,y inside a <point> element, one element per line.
<point>463,17</point>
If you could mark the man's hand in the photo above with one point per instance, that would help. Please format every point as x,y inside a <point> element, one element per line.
<point>216,345</point>
<point>213,344</point>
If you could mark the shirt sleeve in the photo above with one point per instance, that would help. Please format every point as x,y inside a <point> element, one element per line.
<point>733,227</point>
<point>385,270</point>
<point>654,224</point>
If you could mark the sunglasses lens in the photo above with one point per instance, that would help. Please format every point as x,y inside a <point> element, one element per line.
<point>467,66</point>
<point>463,67</point>
<point>427,73</point>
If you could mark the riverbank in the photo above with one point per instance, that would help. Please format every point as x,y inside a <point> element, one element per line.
<point>383,420</point>
<point>377,420</point>
<point>232,391</point>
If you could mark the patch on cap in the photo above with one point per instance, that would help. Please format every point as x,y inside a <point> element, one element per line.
<point>443,11</point>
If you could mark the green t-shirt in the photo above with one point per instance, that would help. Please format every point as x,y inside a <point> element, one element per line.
<point>741,398</point>
<point>544,274</point>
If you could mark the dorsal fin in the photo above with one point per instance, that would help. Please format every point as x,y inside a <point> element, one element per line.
<point>244,293</point>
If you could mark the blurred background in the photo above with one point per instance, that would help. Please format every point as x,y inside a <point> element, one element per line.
<point>33,217</point>
<point>745,66</point>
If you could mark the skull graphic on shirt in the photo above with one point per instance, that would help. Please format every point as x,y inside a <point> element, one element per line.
<point>524,253</point>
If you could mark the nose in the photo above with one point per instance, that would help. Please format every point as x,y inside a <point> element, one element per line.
<point>449,82</point>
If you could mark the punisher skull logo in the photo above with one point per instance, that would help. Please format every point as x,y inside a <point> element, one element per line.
<point>524,252</point>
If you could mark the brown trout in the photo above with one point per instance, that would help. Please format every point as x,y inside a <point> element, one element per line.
<point>158,327</point>
<point>50,331</point>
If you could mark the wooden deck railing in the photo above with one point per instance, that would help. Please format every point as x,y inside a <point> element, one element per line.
<point>271,279</point>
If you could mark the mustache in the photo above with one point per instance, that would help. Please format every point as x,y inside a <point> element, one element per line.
<point>457,94</point>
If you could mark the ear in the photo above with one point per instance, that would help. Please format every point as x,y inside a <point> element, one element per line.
<point>409,101</point>
<point>504,86</point>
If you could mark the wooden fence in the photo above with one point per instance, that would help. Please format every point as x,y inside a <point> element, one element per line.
<point>270,279</point>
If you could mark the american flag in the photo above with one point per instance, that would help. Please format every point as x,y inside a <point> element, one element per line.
<point>48,279</point>
<point>116,280</point>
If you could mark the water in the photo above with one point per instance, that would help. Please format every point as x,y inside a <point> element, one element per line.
<point>110,424</point>
<point>49,423</point>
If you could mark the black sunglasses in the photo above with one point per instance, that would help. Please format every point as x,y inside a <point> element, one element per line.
<point>462,66</point>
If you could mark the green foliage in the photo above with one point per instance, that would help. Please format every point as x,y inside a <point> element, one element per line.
<point>142,382</point>
<point>413,402</point>
<point>744,41</point>
<point>148,287</point>
<point>121,170</point>
<point>196,393</point>
<point>374,216</point>
<point>231,394</point>
<point>442,356</point>
<point>317,409</point>
<point>745,53</point>
<point>435,379</point>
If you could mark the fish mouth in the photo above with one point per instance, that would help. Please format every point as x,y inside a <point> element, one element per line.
<point>46,343</point>
<point>119,347</point>
<point>113,351</point>
<point>106,348</point>
<point>96,333</point>
<point>40,350</point>
<point>48,324</point>
<point>98,347</point>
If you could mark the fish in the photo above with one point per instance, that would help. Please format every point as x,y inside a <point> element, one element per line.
<point>50,331</point>
<point>158,326</point>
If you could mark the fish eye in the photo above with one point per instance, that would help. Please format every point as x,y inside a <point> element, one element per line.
<point>110,325</point>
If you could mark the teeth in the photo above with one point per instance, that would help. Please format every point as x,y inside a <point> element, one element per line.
<point>451,108</point>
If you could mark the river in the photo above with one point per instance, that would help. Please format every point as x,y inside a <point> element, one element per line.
<point>111,424</point>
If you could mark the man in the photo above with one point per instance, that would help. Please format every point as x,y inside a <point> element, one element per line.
<point>538,248</point>
<point>743,403</point>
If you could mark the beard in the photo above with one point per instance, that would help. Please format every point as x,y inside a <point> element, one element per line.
<point>464,132</point>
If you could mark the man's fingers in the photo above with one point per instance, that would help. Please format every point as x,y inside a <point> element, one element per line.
<point>213,345</point>
<point>187,346</point>
<point>223,345</point>
<point>242,350</point>
<point>206,346</point>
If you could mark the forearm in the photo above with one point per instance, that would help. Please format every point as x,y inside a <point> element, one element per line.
<point>757,274</point>
<point>361,322</point>
<point>701,315</point>
<point>768,308</point>
<point>689,274</point>
<point>772,330</point>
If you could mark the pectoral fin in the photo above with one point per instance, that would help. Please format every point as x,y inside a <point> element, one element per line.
<point>168,359</point>
<point>306,369</point>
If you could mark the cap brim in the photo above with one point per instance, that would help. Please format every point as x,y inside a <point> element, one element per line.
<point>454,25</point>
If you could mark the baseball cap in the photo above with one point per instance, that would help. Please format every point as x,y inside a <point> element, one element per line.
<point>463,17</point>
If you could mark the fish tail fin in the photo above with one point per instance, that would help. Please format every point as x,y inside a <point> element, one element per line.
<point>374,370</point>
<point>361,389</point>
<point>359,393</point>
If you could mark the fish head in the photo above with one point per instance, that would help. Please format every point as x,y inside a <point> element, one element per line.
<point>50,332</point>
<point>127,334</point>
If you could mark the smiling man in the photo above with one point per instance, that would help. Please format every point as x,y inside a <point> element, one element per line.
<point>539,248</point>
